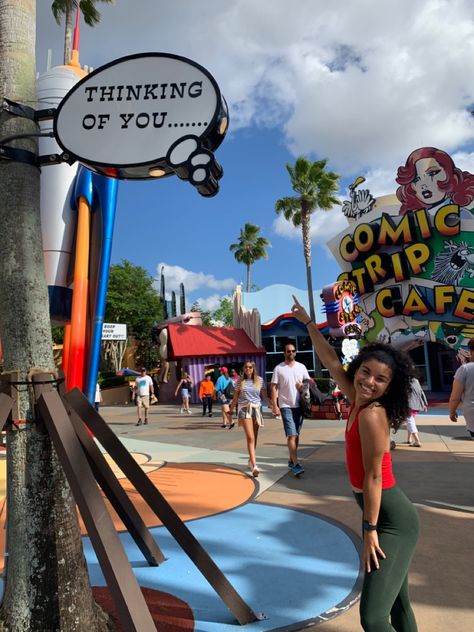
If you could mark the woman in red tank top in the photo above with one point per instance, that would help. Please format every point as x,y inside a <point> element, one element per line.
<point>377,382</point>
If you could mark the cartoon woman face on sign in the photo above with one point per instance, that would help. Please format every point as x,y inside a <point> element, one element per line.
<point>430,178</point>
<point>429,175</point>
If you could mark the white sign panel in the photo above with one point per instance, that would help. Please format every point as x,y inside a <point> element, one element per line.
<point>134,109</point>
<point>114,331</point>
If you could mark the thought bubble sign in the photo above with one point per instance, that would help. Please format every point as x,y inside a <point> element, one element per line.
<point>132,110</point>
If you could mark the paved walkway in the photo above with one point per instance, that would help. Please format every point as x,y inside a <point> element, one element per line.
<point>438,477</point>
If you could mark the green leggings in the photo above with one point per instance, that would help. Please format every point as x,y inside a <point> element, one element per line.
<point>385,602</point>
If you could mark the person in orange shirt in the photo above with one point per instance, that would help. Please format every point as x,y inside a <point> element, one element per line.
<point>207,393</point>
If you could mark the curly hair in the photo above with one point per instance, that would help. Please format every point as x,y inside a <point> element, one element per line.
<point>395,398</point>
<point>459,185</point>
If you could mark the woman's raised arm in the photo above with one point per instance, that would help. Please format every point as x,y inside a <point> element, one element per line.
<point>325,352</point>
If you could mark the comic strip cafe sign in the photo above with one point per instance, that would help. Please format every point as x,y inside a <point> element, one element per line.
<point>342,310</point>
<point>134,110</point>
<point>395,251</point>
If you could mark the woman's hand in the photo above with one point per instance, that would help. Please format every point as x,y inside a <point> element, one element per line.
<point>299,311</point>
<point>372,550</point>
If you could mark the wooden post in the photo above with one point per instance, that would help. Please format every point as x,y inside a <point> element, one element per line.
<point>117,495</point>
<point>126,593</point>
<point>158,503</point>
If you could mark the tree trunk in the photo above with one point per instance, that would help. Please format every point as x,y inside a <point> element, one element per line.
<point>47,586</point>
<point>306,230</point>
<point>248,277</point>
<point>68,32</point>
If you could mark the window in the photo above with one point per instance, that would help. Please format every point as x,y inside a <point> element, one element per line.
<point>269,344</point>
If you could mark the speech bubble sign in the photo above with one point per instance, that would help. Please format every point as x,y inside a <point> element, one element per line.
<point>132,110</point>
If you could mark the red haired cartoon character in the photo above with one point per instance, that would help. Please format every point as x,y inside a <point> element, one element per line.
<point>431,180</point>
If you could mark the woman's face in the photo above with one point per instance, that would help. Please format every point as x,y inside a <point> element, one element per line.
<point>428,174</point>
<point>248,370</point>
<point>371,380</point>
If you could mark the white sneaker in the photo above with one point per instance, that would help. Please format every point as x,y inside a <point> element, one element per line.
<point>255,471</point>
<point>182,410</point>
<point>189,411</point>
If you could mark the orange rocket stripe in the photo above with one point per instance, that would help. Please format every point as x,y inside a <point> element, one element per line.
<point>75,370</point>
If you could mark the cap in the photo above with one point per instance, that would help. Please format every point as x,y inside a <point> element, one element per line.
<point>223,369</point>
<point>143,368</point>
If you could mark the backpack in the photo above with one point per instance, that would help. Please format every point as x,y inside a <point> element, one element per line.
<point>309,395</point>
<point>229,389</point>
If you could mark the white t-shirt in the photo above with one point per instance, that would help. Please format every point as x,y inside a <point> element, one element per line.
<point>286,377</point>
<point>143,384</point>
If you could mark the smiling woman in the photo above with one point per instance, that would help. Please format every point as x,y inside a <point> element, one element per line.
<point>377,382</point>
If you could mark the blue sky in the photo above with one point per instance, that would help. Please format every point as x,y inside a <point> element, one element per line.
<point>359,83</point>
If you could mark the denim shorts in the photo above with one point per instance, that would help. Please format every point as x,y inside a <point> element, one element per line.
<point>185,393</point>
<point>292,421</point>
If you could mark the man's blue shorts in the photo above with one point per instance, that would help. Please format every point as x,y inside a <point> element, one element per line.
<point>292,420</point>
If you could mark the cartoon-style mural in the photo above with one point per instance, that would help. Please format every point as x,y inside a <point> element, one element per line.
<point>361,202</point>
<point>412,259</point>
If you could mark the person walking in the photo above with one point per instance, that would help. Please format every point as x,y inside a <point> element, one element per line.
<point>97,397</point>
<point>248,394</point>
<point>417,401</point>
<point>185,386</point>
<point>377,383</point>
<point>207,394</point>
<point>143,390</point>
<point>337,398</point>
<point>286,383</point>
<point>224,392</point>
<point>463,391</point>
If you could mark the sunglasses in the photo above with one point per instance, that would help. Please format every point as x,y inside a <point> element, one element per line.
<point>290,351</point>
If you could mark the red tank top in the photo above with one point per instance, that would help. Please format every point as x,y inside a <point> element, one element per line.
<point>355,465</point>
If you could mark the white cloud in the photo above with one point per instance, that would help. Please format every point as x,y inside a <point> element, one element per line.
<point>379,182</point>
<point>210,303</point>
<point>362,83</point>
<point>324,226</point>
<point>464,160</point>
<point>192,281</point>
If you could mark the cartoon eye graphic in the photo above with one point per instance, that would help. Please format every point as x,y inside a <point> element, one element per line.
<point>452,340</point>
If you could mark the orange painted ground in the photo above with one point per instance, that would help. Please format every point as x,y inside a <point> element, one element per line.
<point>194,490</point>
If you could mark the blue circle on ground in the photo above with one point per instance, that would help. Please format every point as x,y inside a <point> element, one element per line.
<point>293,566</point>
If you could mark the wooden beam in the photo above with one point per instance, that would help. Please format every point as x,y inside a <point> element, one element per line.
<point>6,403</point>
<point>133,611</point>
<point>158,503</point>
<point>116,494</point>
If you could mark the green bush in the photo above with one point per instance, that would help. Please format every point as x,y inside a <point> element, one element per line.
<point>113,380</point>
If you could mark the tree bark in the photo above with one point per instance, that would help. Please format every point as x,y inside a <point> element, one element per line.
<point>306,227</point>
<point>47,585</point>
<point>68,32</point>
<point>248,277</point>
<point>306,230</point>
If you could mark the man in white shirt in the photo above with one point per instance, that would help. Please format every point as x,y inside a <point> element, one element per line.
<point>143,388</point>
<point>287,380</point>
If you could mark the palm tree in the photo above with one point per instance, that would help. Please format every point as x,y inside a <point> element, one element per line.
<point>315,188</point>
<point>66,7</point>
<point>47,586</point>
<point>250,248</point>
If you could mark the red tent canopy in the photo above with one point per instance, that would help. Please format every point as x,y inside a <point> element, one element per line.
<point>186,341</point>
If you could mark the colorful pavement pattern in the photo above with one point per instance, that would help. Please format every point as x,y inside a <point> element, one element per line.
<point>287,545</point>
